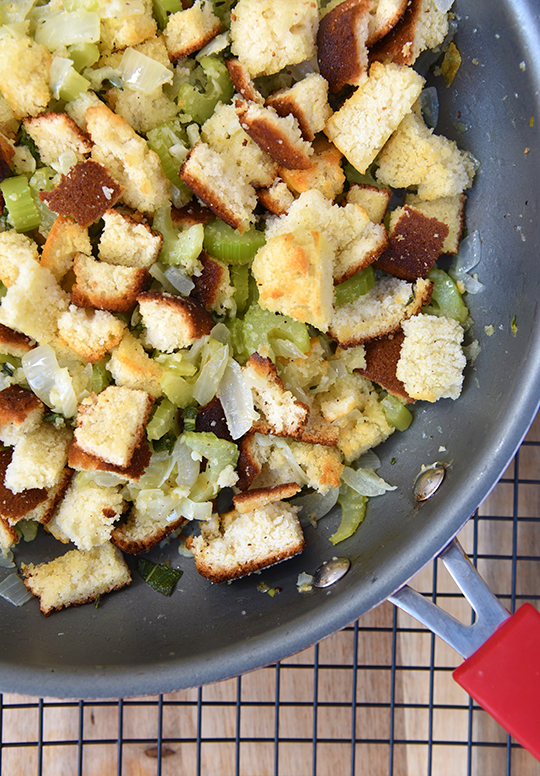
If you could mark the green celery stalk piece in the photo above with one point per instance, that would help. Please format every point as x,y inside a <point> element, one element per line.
<point>162,420</point>
<point>259,326</point>
<point>161,578</point>
<point>445,299</point>
<point>396,412</point>
<point>240,280</point>
<point>353,511</point>
<point>20,204</point>
<point>351,289</point>
<point>83,55</point>
<point>219,88</point>
<point>225,243</point>
<point>163,8</point>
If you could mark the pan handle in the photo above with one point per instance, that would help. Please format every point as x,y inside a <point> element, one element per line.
<point>502,666</point>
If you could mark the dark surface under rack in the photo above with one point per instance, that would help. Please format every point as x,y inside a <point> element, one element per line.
<point>376,699</point>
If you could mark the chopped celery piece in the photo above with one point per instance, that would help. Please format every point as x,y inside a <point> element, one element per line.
<point>219,454</point>
<point>240,281</point>
<point>200,105</point>
<point>396,412</point>
<point>179,248</point>
<point>189,416</point>
<point>351,289</point>
<point>101,377</point>
<point>169,142</point>
<point>175,362</point>
<point>259,326</point>
<point>27,529</point>
<point>162,420</point>
<point>20,204</point>
<point>235,326</point>
<point>163,8</point>
<point>227,244</point>
<point>160,577</point>
<point>66,83</point>
<point>83,55</point>
<point>176,389</point>
<point>353,511</point>
<point>445,299</point>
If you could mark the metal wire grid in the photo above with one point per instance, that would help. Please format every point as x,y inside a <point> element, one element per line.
<point>376,698</point>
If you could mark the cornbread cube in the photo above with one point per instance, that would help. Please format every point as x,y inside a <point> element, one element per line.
<point>373,200</point>
<point>55,133</point>
<point>141,531</point>
<point>13,343</point>
<point>127,242</point>
<point>213,287</point>
<point>106,286</point>
<point>81,461</point>
<point>90,333</point>
<point>236,544</point>
<point>431,361</point>
<point>130,365</point>
<point>361,127</point>
<point>384,15</point>
<point>325,172</point>
<point>20,412</point>
<point>111,424</point>
<point>250,500</point>
<point>8,536</point>
<point>382,355</point>
<point>173,322</point>
<point>423,25</point>
<point>25,83</point>
<point>279,136</point>
<point>77,577</point>
<point>342,43</point>
<point>307,101</point>
<point>86,515</point>
<point>15,249</point>
<point>268,35</point>
<point>142,111</point>
<point>189,30</point>
<point>39,459</point>
<point>277,198</point>
<point>282,413</point>
<point>119,32</point>
<point>448,210</point>
<point>65,240</point>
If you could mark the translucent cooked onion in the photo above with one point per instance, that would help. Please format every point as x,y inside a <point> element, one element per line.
<point>143,73</point>
<point>6,560</point>
<point>286,348</point>
<point>369,460</point>
<point>236,399</point>
<point>193,510</point>
<point>317,505</point>
<point>365,482</point>
<point>186,466</point>
<point>469,254</point>
<point>50,383</point>
<point>154,503</point>
<point>443,5</point>
<point>67,28</point>
<point>221,333</point>
<point>209,379</point>
<point>112,9</point>
<point>181,282</point>
<point>13,590</point>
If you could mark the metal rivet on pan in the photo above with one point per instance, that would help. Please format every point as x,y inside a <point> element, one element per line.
<point>429,481</point>
<point>331,571</point>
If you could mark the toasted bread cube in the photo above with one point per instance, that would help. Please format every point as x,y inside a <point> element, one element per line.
<point>86,515</point>
<point>373,200</point>
<point>213,287</point>
<point>25,83</point>
<point>242,81</point>
<point>8,536</point>
<point>381,311</point>
<point>130,365</point>
<point>129,160</point>
<point>127,242</point>
<point>20,412</point>
<point>78,577</point>
<point>55,133</point>
<point>279,136</point>
<point>260,497</point>
<point>342,43</point>
<point>15,249</point>
<point>423,25</point>
<point>415,156</point>
<point>81,461</point>
<point>237,544</point>
<point>269,35</point>
<point>382,355</point>
<point>106,286</point>
<point>13,343</point>
<point>111,424</point>
<point>189,30</point>
<point>360,252</point>
<point>65,240</point>
<point>173,322</point>
<point>37,504</point>
<point>431,361</point>
<point>325,172</point>
<point>119,32</point>
<point>216,180</point>
<point>448,210</point>
<point>282,413</point>
<point>39,459</point>
<point>142,531</point>
<point>90,333</point>
<point>361,127</point>
<point>142,111</point>
<point>22,307</point>
<point>277,198</point>
<point>384,15</point>
<point>294,276</point>
<point>307,101</point>
<point>9,125</point>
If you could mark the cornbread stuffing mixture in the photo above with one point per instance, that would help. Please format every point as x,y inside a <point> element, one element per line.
<point>218,260</point>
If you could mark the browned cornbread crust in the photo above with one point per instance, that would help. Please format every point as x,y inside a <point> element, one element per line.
<point>190,215</point>
<point>248,466</point>
<point>126,535</point>
<point>196,320</point>
<point>266,132</point>
<point>414,245</point>
<point>341,43</point>
<point>212,418</point>
<point>298,411</point>
<point>14,343</point>
<point>382,356</point>
<point>62,126</point>
<point>79,460</point>
<point>6,155</point>
<point>259,497</point>
<point>16,404</point>
<point>113,288</point>
<point>285,105</point>
<point>207,284</point>
<point>85,193</point>
<point>398,45</point>
<point>242,81</point>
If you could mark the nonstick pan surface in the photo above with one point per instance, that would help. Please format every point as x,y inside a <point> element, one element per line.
<point>138,642</point>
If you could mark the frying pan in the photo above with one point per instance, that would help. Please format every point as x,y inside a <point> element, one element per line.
<point>138,642</point>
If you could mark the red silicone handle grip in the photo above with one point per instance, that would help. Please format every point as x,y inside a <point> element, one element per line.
<point>504,677</point>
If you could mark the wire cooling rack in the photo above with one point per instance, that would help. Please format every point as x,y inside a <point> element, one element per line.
<point>375,699</point>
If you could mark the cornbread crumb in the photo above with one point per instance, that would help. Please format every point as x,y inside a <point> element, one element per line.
<point>65,240</point>
<point>15,249</point>
<point>56,133</point>
<point>39,458</point>
<point>86,515</point>
<point>307,101</point>
<point>20,412</point>
<point>90,333</point>
<point>25,83</point>
<point>127,242</point>
<point>282,413</point>
<point>130,365</point>
<point>173,322</point>
<point>189,30</point>
<point>279,136</point>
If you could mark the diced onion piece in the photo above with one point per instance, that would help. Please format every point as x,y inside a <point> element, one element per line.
<point>286,348</point>
<point>50,383</point>
<point>236,399</point>
<point>471,284</point>
<point>299,473</point>
<point>15,13</point>
<point>158,505</point>
<point>469,254</point>
<point>186,466</point>
<point>369,460</point>
<point>100,74</point>
<point>67,28</point>
<point>6,560</point>
<point>216,45</point>
<point>143,73</point>
<point>317,505</point>
<point>65,162</point>
<point>112,9</point>
<point>13,590</point>
<point>64,81</point>
<point>443,5</point>
<point>221,333</point>
<point>156,270</point>
<point>181,282</point>
<point>365,482</point>
<point>212,371</point>
<point>193,510</point>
